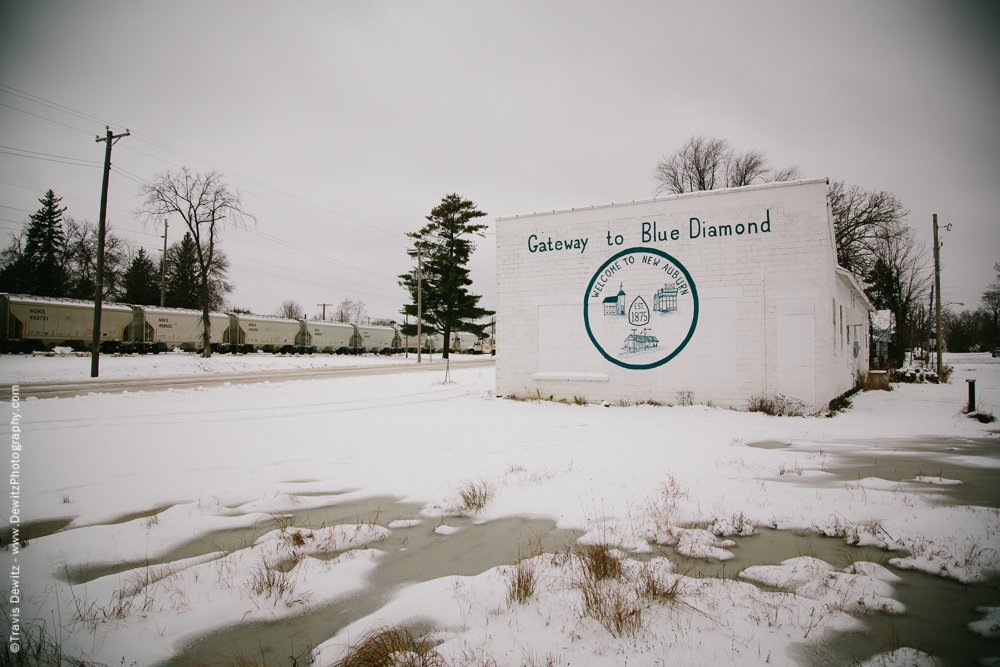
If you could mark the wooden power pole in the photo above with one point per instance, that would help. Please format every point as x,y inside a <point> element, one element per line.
<point>99,279</point>
<point>937,291</point>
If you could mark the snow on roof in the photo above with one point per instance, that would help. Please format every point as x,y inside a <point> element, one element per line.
<point>27,298</point>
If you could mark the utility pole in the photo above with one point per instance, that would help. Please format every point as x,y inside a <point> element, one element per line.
<point>163,266</point>
<point>324,309</point>
<point>926,325</point>
<point>937,290</point>
<point>420,278</point>
<point>99,280</point>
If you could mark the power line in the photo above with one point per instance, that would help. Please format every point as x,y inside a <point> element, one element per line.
<point>46,103</point>
<point>64,157</point>
<point>14,208</point>
<point>83,201</point>
<point>44,118</point>
<point>46,159</point>
<point>163,146</point>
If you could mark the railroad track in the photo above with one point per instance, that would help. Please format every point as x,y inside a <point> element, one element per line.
<point>68,389</point>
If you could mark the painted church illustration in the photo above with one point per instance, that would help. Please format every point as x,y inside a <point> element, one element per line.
<point>615,305</point>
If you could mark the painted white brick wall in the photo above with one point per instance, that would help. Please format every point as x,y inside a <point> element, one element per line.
<point>765,318</point>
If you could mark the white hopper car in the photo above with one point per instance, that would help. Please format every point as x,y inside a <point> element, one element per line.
<point>329,337</point>
<point>377,339</point>
<point>253,333</point>
<point>171,328</point>
<point>38,323</point>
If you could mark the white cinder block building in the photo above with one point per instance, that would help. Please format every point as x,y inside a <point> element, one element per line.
<point>728,294</point>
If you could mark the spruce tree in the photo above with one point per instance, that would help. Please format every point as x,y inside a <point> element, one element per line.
<point>183,288</point>
<point>141,281</point>
<point>42,272</point>
<point>447,304</point>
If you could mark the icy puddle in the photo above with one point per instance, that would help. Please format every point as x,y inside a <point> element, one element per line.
<point>418,549</point>
<point>938,610</point>
<point>962,471</point>
<point>936,619</point>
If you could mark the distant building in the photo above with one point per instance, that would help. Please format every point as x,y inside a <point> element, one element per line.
<point>745,300</point>
<point>883,328</point>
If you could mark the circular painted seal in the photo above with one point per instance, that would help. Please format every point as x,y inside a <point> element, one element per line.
<point>641,308</point>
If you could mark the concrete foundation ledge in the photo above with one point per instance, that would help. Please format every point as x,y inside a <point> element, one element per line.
<point>580,377</point>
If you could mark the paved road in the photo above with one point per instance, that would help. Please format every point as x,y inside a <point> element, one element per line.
<point>62,389</point>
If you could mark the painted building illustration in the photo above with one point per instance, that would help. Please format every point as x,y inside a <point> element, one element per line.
<point>665,299</point>
<point>615,305</point>
<point>640,342</point>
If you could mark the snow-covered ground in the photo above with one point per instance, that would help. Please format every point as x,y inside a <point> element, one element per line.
<point>66,365</point>
<point>627,476</point>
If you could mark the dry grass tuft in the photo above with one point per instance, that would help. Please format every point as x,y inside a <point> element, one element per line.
<point>652,587</point>
<point>521,582</point>
<point>776,406</point>
<point>685,397</point>
<point>649,401</point>
<point>550,659</point>
<point>473,496</point>
<point>268,581</point>
<point>599,563</point>
<point>613,606</point>
<point>390,646</point>
<point>38,647</point>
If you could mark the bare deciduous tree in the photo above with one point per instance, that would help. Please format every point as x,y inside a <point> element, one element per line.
<point>359,312</point>
<point>291,309</point>
<point>705,163</point>
<point>862,220</point>
<point>350,311</point>
<point>80,260</point>
<point>344,311</point>
<point>899,281</point>
<point>205,204</point>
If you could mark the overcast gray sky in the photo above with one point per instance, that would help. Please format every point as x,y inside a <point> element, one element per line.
<point>343,124</point>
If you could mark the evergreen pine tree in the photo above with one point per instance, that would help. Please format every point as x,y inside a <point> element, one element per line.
<point>447,304</point>
<point>182,275</point>
<point>141,281</point>
<point>42,272</point>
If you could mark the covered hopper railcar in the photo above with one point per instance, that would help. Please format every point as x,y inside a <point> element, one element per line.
<point>162,329</point>
<point>29,323</point>
<point>377,339</point>
<point>253,333</point>
<point>329,337</point>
